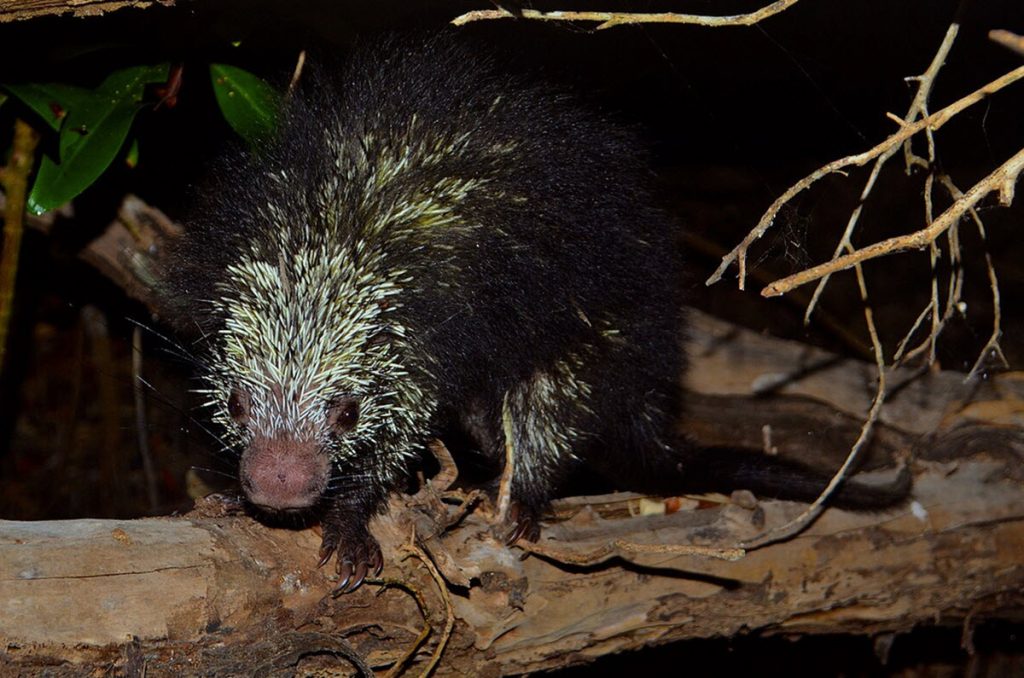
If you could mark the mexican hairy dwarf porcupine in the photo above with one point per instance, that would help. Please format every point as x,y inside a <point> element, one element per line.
<point>427,242</point>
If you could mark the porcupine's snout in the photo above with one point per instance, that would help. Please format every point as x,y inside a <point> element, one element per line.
<point>283,474</point>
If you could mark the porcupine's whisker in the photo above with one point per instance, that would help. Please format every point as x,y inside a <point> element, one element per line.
<point>162,400</point>
<point>230,476</point>
<point>222,444</point>
<point>348,481</point>
<point>180,351</point>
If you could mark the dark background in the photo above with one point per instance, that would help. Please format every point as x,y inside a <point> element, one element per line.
<point>732,116</point>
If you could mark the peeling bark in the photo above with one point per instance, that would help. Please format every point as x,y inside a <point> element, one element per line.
<point>20,10</point>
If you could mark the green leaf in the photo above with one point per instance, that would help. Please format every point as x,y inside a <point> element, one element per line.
<point>94,131</point>
<point>51,101</point>
<point>129,83</point>
<point>248,103</point>
<point>89,142</point>
<point>3,98</point>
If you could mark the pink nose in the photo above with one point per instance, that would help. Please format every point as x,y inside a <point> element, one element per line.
<point>281,473</point>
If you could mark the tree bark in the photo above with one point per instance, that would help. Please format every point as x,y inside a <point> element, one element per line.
<point>225,595</point>
<point>19,10</point>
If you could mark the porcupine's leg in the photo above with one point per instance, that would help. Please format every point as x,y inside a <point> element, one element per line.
<point>612,402</point>
<point>543,422</point>
<point>346,534</point>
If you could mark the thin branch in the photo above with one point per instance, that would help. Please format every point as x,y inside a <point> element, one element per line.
<point>932,122</point>
<point>992,346</point>
<point>1008,40</point>
<point>919,106</point>
<point>449,611</point>
<point>1002,180</point>
<point>300,63</point>
<point>809,515</point>
<point>15,184</point>
<point>612,19</point>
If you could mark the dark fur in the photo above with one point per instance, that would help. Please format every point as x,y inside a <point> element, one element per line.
<point>543,280</point>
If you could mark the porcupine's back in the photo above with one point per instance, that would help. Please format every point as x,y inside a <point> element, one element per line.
<point>514,221</point>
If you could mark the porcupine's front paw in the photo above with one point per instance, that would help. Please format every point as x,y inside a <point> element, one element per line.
<point>358,554</point>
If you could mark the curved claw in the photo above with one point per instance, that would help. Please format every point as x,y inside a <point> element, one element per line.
<point>356,558</point>
<point>525,523</point>
<point>377,562</point>
<point>360,575</point>
<point>344,575</point>
<point>327,549</point>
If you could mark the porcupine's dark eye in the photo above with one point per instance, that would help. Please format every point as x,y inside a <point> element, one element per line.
<point>343,414</point>
<point>238,406</point>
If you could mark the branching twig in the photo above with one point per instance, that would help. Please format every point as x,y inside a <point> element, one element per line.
<point>992,346</point>
<point>412,549</point>
<point>611,19</point>
<point>801,522</point>
<point>918,109</point>
<point>932,122</point>
<point>1002,180</point>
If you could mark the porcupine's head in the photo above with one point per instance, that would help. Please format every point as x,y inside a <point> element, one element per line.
<point>306,357</point>
<point>305,376</point>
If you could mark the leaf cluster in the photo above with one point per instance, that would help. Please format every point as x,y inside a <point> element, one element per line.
<point>94,126</point>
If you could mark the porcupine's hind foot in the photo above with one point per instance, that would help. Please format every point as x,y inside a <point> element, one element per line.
<point>522,522</point>
<point>357,553</point>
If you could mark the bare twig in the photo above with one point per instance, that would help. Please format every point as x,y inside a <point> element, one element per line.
<point>916,120</point>
<point>918,109</point>
<point>1008,40</point>
<point>808,516</point>
<point>300,63</point>
<point>1002,180</point>
<point>611,19</point>
<point>933,308</point>
<point>505,484</point>
<point>14,178</point>
<point>932,122</point>
<point>992,346</point>
<point>410,548</point>
<point>919,106</point>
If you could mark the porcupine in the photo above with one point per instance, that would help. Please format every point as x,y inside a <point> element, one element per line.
<point>428,241</point>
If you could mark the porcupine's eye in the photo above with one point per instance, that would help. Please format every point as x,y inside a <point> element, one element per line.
<point>238,406</point>
<point>343,414</point>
